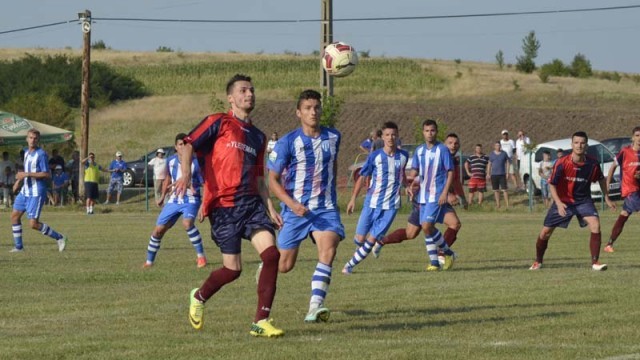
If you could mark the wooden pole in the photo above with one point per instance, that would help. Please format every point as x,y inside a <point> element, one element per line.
<point>326,38</point>
<point>85,20</point>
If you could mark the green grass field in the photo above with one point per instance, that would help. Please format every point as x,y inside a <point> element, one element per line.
<point>94,301</point>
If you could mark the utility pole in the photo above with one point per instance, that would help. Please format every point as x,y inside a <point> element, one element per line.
<point>85,22</point>
<point>326,38</point>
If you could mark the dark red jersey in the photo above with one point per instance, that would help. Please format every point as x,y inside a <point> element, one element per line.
<point>629,162</point>
<point>231,154</point>
<point>573,180</point>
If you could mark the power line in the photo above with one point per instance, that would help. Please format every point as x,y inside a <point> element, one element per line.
<point>388,18</point>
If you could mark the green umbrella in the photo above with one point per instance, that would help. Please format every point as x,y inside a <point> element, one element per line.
<point>13,130</point>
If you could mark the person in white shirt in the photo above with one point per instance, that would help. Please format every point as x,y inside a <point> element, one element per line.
<point>272,142</point>
<point>159,164</point>
<point>509,146</point>
<point>521,147</point>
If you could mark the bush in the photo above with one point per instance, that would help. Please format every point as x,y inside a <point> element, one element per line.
<point>555,68</point>
<point>163,48</point>
<point>500,59</point>
<point>99,45</point>
<point>331,108</point>
<point>581,67</point>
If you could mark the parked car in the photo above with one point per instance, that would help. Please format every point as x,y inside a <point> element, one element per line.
<point>616,144</point>
<point>410,148</point>
<point>138,170</point>
<point>595,149</point>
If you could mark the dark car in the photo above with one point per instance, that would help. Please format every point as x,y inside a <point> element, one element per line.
<point>138,170</point>
<point>616,144</point>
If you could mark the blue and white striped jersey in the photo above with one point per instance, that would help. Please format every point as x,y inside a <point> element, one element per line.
<point>387,175</point>
<point>35,161</point>
<point>310,165</point>
<point>173,169</point>
<point>432,165</point>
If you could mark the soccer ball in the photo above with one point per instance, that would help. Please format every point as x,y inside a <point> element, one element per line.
<point>339,59</point>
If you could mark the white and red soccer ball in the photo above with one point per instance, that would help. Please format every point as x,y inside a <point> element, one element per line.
<point>339,59</point>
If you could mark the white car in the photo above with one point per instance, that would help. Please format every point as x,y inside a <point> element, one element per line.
<point>531,163</point>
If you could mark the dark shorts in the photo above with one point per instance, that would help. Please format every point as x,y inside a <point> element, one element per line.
<point>553,219</point>
<point>499,182</point>
<point>230,225</point>
<point>91,190</point>
<point>632,203</point>
<point>414,217</point>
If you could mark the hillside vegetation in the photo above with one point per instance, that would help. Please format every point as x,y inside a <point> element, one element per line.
<point>476,100</point>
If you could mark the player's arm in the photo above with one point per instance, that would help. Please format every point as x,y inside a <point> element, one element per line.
<point>186,156</point>
<point>604,187</point>
<point>21,175</point>
<point>354,194</point>
<point>278,190</point>
<point>612,171</point>
<point>266,199</point>
<point>443,197</point>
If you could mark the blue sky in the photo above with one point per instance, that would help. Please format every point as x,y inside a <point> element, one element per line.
<point>607,38</point>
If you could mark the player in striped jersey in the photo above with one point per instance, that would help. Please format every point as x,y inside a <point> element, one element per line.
<point>385,168</point>
<point>308,195</point>
<point>629,161</point>
<point>187,206</point>
<point>570,187</point>
<point>433,162</point>
<point>33,194</point>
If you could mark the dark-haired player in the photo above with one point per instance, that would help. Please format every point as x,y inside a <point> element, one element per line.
<point>629,161</point>
<point>570,187</point>
<point>236,200</point>
<point>308,194</point>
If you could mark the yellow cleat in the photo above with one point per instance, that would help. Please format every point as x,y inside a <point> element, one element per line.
<point>196,311</point>
<point>448,262</point>
<point>265,328</point>
<point>433,268</point>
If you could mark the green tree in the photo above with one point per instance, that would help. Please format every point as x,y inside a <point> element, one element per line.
<point>530,47</point>
<point>581,67</point>
<point>500,59</point>
<point>331,108</point>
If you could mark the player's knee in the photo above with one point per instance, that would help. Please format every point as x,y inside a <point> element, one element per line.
<point>285,266</point>
<point>270,256</point>
<point>456,226</point>
<point>35,225</point>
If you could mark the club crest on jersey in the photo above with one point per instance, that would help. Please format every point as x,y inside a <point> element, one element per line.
<point>325,145</point>
<point>273,156</point>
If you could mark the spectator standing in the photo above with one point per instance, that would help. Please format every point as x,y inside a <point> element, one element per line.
<point>544,170</point>
<point>6,162</point>
<point>509,147</point>
<point>367,144</point>
<point>521,149</point>
<point>19,166</point>
<point>378,143</point>
<point>117,169</point>
<point>91,179</point>
<point>272,142</point>
<point>56,159</point>
<point>73,168</point>
<point>476,167</point>
<point>159,164</point>
<point>7,179</point>
<point>498,165</point>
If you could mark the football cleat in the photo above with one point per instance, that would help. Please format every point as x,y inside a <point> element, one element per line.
<point>62,243</point>
<point>147,265</point>
<point>202,262</point>
<point>377,248</point>
<point>536,266</point>
<point>319,314</point>
<point>196,311</point>
<point>448,261</point>
<point>433,268</point>
<point>16,250</point>
<point>596,266</point>
<point>608,248</point>
<point>347,270</point>
<point>265,328</point>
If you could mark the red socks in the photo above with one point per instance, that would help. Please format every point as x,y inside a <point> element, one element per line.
<point>450,236</point>
<point>541,247</point>
<point>395,237</point>
<point>215,282</point>
<point>617,228</point>
<point>267,282</point>
<point>594,244</point>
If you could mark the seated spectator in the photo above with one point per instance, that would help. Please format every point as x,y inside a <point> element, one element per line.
<point>60,183</point>
<point>7,179</point>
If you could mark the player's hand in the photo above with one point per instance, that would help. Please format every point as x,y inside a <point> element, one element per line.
<point>299,209</point>
<point>562,208</point>
<point>443,198</point>
<point>16,186</point>
<point>200,215</point>
<point>610,204</point>
<point>276,217</point>
<point>160,202</point>
<point>181,185</point>
<point>350,206</point>
<point>452,199</point>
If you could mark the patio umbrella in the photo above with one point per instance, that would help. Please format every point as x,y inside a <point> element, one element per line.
<point>13,130</point>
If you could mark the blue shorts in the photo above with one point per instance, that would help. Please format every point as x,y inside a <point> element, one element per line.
<point>297,228</point>
<point>553,219</point>
<point>32,205</point>
<point>433,213</point>
<point>375,222</point>
<point>115,184</point>
<point>632,203</point>
<point>414,217</point>
<point>172,211</point>
<point>230,225</point>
